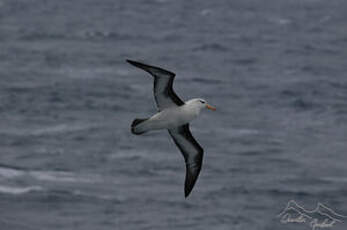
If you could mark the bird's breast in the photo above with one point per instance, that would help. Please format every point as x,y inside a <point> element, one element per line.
<point>173,117</point>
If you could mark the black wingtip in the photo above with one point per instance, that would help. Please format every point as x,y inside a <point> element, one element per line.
<point>130,61</point>
<point>135,63</point>
<point>192,175</point>
<point>186,193</point>
<point>188,189</point>
<point>138,64</point>
<point>149,68</point>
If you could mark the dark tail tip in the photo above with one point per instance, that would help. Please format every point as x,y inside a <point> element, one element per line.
<point>135,123</point>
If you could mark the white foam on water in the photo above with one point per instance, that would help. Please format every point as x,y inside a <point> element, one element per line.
<point>19,190</point>
<point>10,173</point>
<point>61,128</point>
<point>233,132</point>
<point>51,176</point>
<point>52,129</point>
<point>280,21</point>
<point>335,179</point>
<point>64,177</point>
<point>206,12</point>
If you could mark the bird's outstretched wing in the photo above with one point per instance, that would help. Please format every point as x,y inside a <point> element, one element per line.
<point>192,153</point>
<point>164,95</point>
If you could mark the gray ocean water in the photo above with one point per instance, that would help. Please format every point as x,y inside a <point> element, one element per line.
<point>275,69</point>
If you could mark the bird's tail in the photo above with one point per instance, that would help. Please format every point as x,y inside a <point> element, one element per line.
<point>135,129</point>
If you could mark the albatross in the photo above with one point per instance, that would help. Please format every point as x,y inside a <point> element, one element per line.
<point>174,115</point>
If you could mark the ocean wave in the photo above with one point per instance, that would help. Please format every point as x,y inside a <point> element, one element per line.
<point>8,172</point>
<point>76,195</point>
<point>212,47</point>
<point>62,128</point>
<point>335,179</point>
<point>299,99</point>
<point>49,130</point>
<point>206,81</point>
<point>291,193</point>
<point>19,190</point>
<point>39,35</point>
<point>280,21</point>
<point>245,61</point>
<point>245,190</point>
<point>50,176</point>
<point>112,36</point>
<point>55,195</point>
<point>105,35</point>
<point>63,177</point>
<point>302,104</point>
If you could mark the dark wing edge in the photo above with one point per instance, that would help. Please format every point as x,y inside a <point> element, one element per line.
<point>192,153</point>
<point>168,92</point>
<point>163,84</point>
<point>151,69</point>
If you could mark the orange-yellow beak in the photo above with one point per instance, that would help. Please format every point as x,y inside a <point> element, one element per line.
<point>210,107</point>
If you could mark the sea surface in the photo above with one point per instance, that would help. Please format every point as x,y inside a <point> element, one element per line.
<point>275,69</point>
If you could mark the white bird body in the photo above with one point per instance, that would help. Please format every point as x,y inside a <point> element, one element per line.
<point>172,117</point>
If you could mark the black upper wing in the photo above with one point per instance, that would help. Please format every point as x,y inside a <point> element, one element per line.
<point>164,95</point>
<point>192,153</point>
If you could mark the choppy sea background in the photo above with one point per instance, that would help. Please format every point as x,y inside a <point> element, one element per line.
<point>275,69</point>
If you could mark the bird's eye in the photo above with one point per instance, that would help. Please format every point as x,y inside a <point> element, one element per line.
<point>202,102</point>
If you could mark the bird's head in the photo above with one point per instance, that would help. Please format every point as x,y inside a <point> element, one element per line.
<point>200,104</point>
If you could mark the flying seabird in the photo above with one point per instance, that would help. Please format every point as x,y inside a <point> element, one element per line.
<point>174,115</point>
